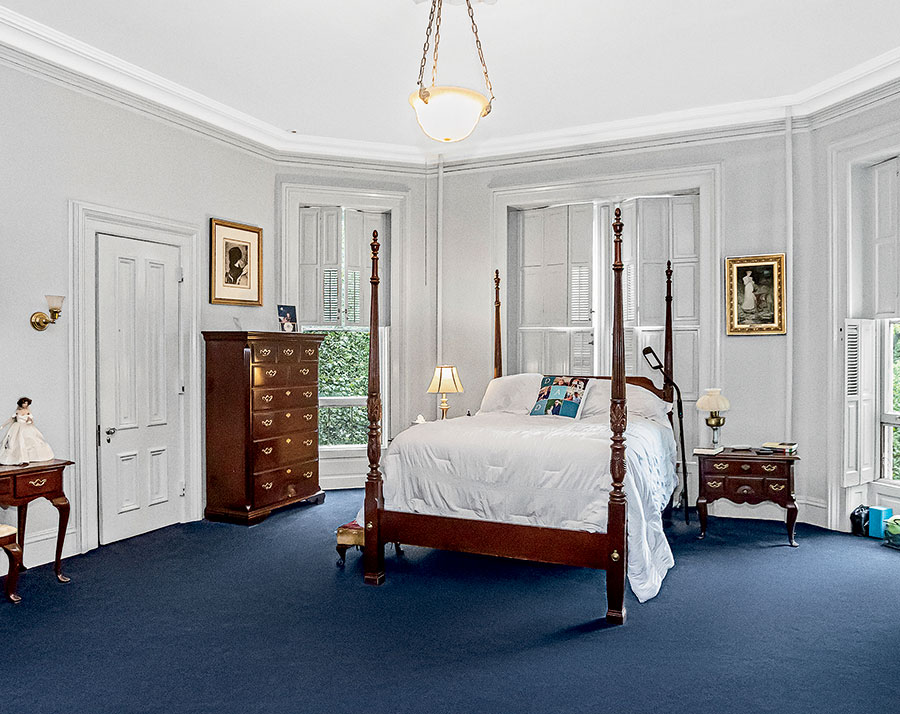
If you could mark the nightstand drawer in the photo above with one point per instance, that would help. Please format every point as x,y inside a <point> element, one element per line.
<point>713,485</point>
<point>36,484</point>
<point>5,486</point>
<point>778,487</point>
<point>745,487</point>
<point>734,467</point>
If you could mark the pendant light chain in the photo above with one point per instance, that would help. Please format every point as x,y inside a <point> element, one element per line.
<point>487,79</point>
<point>437,41</point>
<point>423,93</point>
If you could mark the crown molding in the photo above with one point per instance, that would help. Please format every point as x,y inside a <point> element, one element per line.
<point>36,48</point>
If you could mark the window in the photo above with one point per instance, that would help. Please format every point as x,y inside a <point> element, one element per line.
<point>890,413</point>
<point>334,256</point>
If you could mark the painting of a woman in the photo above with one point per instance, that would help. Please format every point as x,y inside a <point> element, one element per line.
<point>749,304</point>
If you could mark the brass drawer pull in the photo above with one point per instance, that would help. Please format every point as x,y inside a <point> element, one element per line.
<point>776,486</point>
<point>311,351</point>
<point>287,393</point>
<point>745,467</point>
<point>714,484</point>
<point>288,471</point>
<point>287,416</point>
<point>307,394</point>
<point>720,466</point>
<point>267,486</point>
<point>308,442</point>
<point>745,490</point>
<point>267,422</point>
<point>265,352</point>
<point>769,467</point>
<point>37,483</point>
<point>307,474</point>
<point>304,371</point>
<point>271,372</point>
<point>267,398</point>
<point>307,416</point>
<point>267,450</point>
<point>287,441</point>
<point>289,352</point>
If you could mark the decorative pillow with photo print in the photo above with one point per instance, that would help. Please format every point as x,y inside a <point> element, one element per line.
<point>560,396</point>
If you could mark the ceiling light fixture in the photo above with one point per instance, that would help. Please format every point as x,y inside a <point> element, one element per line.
<point>445,113</point>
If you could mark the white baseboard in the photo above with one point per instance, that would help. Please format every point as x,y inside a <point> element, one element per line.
<point>335,483</point>
<point>814,514</point>
<point>40,549</point>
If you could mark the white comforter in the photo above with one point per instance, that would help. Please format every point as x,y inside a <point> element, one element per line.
<point>539,470</point>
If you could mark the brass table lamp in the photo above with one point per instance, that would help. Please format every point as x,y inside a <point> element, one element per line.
<point>715,403</point>
<point>445,381</point>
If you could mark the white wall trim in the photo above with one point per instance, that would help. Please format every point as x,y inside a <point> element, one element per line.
<point>85,221</point>
<point>397,204</point>
<point>34,47</point>
<point>866,148</point>
<point>705,177</point>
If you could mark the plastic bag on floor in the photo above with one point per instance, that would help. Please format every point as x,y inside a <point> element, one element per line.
<point>859,521</point>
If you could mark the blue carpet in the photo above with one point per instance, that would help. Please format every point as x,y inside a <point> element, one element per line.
<point>209,617</point>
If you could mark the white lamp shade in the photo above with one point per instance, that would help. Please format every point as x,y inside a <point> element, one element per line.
<point>55,302</point>
<point>713,401</point>
<point>451,114</point>
<point>445,381</point>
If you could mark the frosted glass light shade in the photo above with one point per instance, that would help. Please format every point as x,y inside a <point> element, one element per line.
<point>445,381</point>
<point>452,113</point>
<point>55,302</point>
<point>713,401</point>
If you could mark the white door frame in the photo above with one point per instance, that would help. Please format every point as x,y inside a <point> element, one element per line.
<point>86,220</point>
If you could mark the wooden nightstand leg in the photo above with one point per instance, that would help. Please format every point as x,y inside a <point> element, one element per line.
<point>701,512</point>
<point>14,553</point>
<point>791,522</point>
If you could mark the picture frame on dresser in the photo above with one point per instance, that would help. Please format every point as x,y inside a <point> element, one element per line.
<point>235,263</point>
<point>262,423</point>
<point>754,295</point>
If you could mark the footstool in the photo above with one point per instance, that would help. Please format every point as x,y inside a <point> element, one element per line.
<point>352,534</point>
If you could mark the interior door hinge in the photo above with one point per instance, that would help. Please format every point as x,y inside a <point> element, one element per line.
<point>182,490</point>
<point>98,435</point>
<point>180,274</point>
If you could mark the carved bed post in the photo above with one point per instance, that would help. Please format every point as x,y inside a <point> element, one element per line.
<point>668,361</point>
<point>373,554</point>
<point>498,347</point>
<point>616,528</point>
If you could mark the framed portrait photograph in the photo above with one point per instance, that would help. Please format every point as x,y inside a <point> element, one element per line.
<point>235,263</point>
<point>287,318</point>
<point>754,287</point>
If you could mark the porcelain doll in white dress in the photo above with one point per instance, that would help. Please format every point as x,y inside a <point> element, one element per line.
<point>23,443</point>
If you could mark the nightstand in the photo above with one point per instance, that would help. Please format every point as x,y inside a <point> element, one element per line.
<point>748,477</point>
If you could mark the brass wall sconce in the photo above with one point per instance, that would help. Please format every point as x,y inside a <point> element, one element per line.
<point>39,320</point>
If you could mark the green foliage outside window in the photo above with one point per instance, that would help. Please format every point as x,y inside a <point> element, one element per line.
<point>896,397</point>
<point>343,372</point>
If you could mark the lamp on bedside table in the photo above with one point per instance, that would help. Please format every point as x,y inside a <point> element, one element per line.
<point>445,381</point>
<point>714,402</point>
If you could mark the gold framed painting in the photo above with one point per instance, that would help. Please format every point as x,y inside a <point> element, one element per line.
<point>235,263</point>
<point>754,287</point>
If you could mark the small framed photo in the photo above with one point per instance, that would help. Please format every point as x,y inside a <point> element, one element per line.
<point>235,263</point>
<point>287,318</point>
<point>754,287</point>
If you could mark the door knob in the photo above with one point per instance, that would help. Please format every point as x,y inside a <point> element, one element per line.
<point>109,433</point>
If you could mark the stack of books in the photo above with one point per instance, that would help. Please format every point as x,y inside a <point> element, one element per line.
<point>781,447</point>
<point>709,451</point>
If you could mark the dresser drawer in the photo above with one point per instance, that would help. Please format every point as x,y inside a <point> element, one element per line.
<point>282,484</point>
<point>272,375</point>
<point>289,398</point>
<point>264,351</point>
<point>266,424</point>
<point>285,450</point>
<point>36,484</point>
<point>310,352</point>
<point>745,488</point>
<point>728,467</point>
<point>5,485</point>
<point>305,373</point>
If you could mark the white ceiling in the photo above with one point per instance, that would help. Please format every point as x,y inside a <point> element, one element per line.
<point>342,69</point>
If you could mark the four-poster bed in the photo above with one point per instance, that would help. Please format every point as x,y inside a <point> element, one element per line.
<point>559,545</point>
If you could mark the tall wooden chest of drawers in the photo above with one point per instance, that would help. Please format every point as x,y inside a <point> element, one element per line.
<point>262,420</point>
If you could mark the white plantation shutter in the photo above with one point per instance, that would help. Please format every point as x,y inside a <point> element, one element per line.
<point>354,242</point>
<point>580,259</point>
<point>860,424</point>
<point>579,293</point>
<point>581,350</point>
<point>886,251</point>
<point>331,295</point>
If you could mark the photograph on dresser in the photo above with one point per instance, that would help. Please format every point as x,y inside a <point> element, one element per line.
<point>262,423</point>
<point>754,287</point>
<point>235,263</point>
<point>287,318</point>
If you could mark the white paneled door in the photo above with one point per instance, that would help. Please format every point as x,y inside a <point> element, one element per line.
<point>140,433</point>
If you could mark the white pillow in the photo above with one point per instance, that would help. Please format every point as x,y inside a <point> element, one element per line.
<point>513,394</point>
<point>638,401</point>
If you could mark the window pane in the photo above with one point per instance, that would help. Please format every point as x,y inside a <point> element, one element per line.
<point>343,425</point>
<point>344,364</point>
<point>895,331</point>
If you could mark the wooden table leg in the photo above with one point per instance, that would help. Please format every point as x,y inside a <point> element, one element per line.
<point>701,512</point>
<point>61,503</point>
<point>14,553</point>
<point>22,514</point>
<point>791,522</point>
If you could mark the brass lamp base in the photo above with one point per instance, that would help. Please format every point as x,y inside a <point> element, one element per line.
<point>715,421</point>
<point>445,405</point>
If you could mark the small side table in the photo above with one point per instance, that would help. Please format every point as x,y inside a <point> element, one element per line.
<point>748,477</point>
<point>19,485</point>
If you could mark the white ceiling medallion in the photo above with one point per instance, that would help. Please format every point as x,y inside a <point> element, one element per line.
<point>445,113</point>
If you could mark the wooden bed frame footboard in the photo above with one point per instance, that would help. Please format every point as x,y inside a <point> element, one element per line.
<point>607,551</point>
